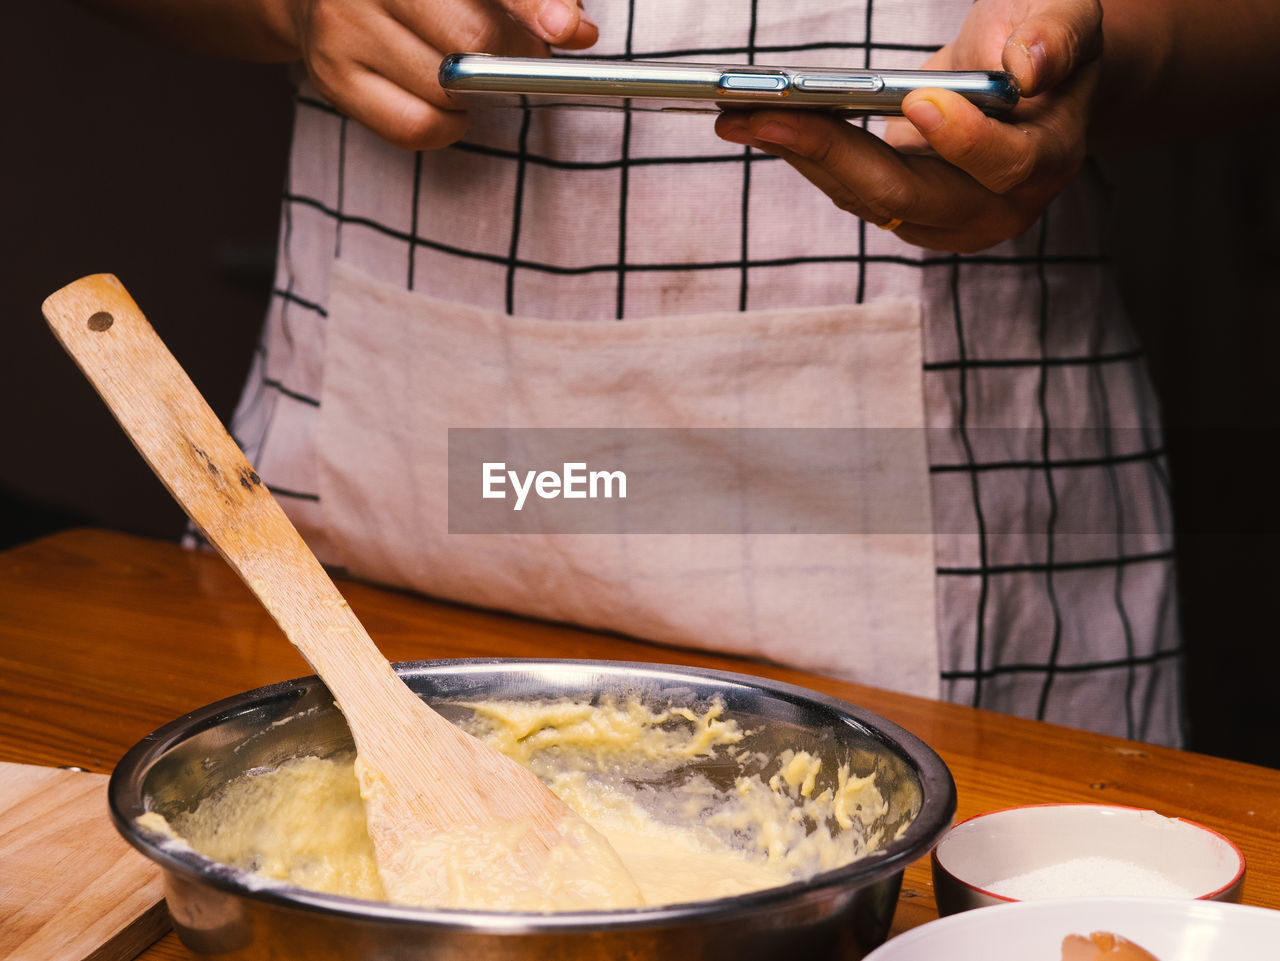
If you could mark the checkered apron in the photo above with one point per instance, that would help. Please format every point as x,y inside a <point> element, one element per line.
<point>1051,549</point>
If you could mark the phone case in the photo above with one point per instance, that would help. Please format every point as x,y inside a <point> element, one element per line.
<point>670,85</point>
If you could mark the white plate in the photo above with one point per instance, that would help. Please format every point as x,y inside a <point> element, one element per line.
<point>1171,929</point>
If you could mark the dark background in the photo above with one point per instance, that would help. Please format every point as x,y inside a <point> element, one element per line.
<point>166,170</point>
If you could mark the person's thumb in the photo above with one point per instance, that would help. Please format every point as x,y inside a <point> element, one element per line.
<point>561,23</point>
<point>1054,40</point>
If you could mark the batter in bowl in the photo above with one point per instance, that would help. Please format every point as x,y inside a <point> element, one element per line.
<point>639,776</point>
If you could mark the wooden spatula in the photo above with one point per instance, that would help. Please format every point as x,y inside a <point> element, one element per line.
<point>432,792</point>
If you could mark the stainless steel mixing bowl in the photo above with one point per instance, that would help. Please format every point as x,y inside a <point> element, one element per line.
<point>224,913</point>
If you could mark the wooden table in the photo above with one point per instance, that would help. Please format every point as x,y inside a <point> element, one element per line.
<point>104,637</point>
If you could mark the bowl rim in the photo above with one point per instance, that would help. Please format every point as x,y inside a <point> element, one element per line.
<point>938,804</point>
<point>1212,895</point>
<point>989,918</point>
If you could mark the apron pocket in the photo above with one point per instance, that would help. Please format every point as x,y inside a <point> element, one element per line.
<point>402,368</point>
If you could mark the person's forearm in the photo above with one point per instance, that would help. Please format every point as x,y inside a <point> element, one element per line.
<point>244,29</point>
<point>1170,67</point>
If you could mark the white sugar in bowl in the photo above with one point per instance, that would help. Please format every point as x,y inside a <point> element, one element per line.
<point>1050,851</point>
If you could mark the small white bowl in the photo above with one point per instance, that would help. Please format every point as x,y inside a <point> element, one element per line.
<point>1048,851</point>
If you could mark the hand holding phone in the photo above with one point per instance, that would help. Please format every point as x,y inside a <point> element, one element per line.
<point>376,61</point>
<point>960,180</point>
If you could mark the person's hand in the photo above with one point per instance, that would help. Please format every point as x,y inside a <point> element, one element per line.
<point>952,178</point>
<point>377,60</point>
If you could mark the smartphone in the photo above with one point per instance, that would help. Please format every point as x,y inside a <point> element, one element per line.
<point>673,85</point>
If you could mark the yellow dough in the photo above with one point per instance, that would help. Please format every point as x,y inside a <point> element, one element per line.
<point>630,771</point>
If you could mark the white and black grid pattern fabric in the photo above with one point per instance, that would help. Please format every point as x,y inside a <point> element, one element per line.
<point>1054,544</point>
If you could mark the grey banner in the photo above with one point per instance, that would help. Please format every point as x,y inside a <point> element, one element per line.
<point>800,481</point>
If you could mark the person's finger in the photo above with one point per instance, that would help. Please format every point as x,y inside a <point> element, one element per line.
<point>487,26</point>
<point>381,73</point>
<point>380,65</point>
<point>396,114</point>
<point>467,26</point>
<point>865,176</point>
<point>967,240</point>
<point>858,172</point>
<point>999,155</point>
<point>1054,40</point>
<point>401,56</point>
<point>947,210</point>
<point>561,23</point>
<point>901,135</point>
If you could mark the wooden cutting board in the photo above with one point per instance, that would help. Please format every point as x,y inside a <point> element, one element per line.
<point>70,887</point>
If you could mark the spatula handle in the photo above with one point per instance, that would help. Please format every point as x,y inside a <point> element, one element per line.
<point>160,409</point>
<point>189,449</point>
<point>419,773</point>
